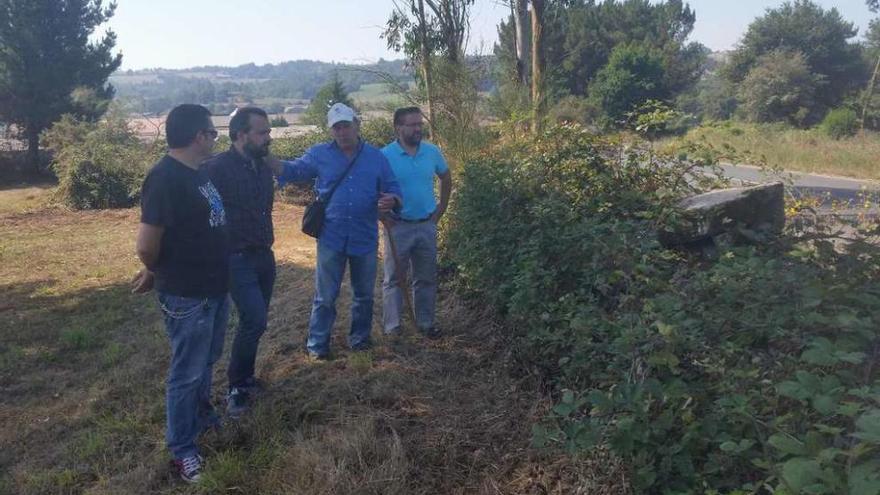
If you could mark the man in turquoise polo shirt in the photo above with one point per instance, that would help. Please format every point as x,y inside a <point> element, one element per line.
<point>415,163</point>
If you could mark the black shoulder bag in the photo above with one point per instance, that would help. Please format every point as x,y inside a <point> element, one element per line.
<point>313,216</point>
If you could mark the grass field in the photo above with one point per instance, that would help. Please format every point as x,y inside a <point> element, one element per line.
<point>798,150</point>
<point>377,95</point>
<point>82,366</point>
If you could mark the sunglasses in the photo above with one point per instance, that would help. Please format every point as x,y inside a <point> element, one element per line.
<point>212,133</point>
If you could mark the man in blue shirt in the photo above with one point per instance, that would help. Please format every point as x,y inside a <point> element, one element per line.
<point>414,232</point>
<point>350,232</point>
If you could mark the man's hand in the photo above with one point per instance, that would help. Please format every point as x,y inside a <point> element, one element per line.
<point>142,282</point>
<point>387,202</point>
<point>274,164</point>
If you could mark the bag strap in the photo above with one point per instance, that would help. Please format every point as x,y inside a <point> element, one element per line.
<point>342,177</point>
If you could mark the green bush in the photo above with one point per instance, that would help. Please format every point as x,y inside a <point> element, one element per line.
<point>840,123</point>
<point>100,165</point>
<point>634,74</point>
<point>279,121</point>
<point>780,88</point>
<point>378,131</point>
<point>757,373</point>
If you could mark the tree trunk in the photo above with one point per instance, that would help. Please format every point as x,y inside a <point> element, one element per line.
<point>537,64</point>
<point>519,12</point>
<point>33,151</point>
<point>426,69</point>
<point>869,92</point>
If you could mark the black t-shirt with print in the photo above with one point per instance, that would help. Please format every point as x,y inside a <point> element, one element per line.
<point>194,256</point>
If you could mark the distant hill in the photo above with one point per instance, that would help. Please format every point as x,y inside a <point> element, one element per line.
<point>273,86</point>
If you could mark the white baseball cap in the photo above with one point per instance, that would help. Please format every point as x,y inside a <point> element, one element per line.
<point>340,112</point>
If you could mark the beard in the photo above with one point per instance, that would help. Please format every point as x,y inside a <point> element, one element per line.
<point>256,151</point>
<point>414,139</point>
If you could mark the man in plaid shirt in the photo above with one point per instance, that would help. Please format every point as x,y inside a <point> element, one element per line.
<point>246,185</point>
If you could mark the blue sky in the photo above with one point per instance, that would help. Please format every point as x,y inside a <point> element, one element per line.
<point>186,33</point>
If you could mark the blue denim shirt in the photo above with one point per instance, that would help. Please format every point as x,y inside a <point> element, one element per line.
<point>350,224</point>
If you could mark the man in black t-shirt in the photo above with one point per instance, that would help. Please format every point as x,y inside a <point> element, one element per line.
<point>183,246</point>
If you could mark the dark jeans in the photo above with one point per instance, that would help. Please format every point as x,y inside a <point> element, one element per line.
<point>252,275</point>
<point>195,328</point>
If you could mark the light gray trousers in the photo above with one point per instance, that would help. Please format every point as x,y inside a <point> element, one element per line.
<point>416,245</point>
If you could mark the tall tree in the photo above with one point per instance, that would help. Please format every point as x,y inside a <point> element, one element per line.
<point>873,6</point>
<point>579,36</point>
<point>519,13</point>
<point>423,29</point>
<point>332,92</point>
<point>634,74</point>
<point>822,36</point>
<point>537,63</point>
<point>425,59</point>
<point>780,88</point>
<point>46,54</point>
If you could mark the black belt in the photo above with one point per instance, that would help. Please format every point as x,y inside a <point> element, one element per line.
<point>406,220</point>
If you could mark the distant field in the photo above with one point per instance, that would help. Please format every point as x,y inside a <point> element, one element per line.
<point>797,149</point>
<point>153,127</point>
<point>377,94</point>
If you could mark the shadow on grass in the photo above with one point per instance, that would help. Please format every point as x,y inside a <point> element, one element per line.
<point>82,373</point>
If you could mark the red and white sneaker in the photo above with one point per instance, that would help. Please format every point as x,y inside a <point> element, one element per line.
<point>189,468</point>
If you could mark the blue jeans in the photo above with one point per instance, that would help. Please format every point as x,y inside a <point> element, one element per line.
<point>251,278</point>
<point>195,328</point>
<point>416,245</point>
<point>328,280</point>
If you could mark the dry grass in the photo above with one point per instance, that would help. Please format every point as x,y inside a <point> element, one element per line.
<point>800,150</point>
<point>82,363</point>
<point>24,199</point>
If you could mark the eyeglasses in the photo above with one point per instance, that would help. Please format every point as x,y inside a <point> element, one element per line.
<point>417,125</point>
<point>211,133</point>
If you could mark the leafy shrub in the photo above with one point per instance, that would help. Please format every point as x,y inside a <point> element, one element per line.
<point>634,74</point>
<point>574,109</point>
<point>840,123</point>
<point>279,121</point>
<point>378,131</point>
<point>654,119</point>
<point>780,88</point>
<point>757,373</point>
<point>100,165</point>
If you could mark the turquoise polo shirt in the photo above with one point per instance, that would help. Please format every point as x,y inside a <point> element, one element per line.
<point>415,174</point>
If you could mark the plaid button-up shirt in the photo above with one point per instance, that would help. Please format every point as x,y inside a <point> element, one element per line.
<point>247,189</point>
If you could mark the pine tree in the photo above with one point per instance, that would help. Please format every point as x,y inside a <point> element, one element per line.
<point>48,63</point>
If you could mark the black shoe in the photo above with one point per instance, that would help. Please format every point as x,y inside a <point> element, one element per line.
<point>237,402</point>
<point>432,333</point>
<point>252,386</point>
<point>364,346</point>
